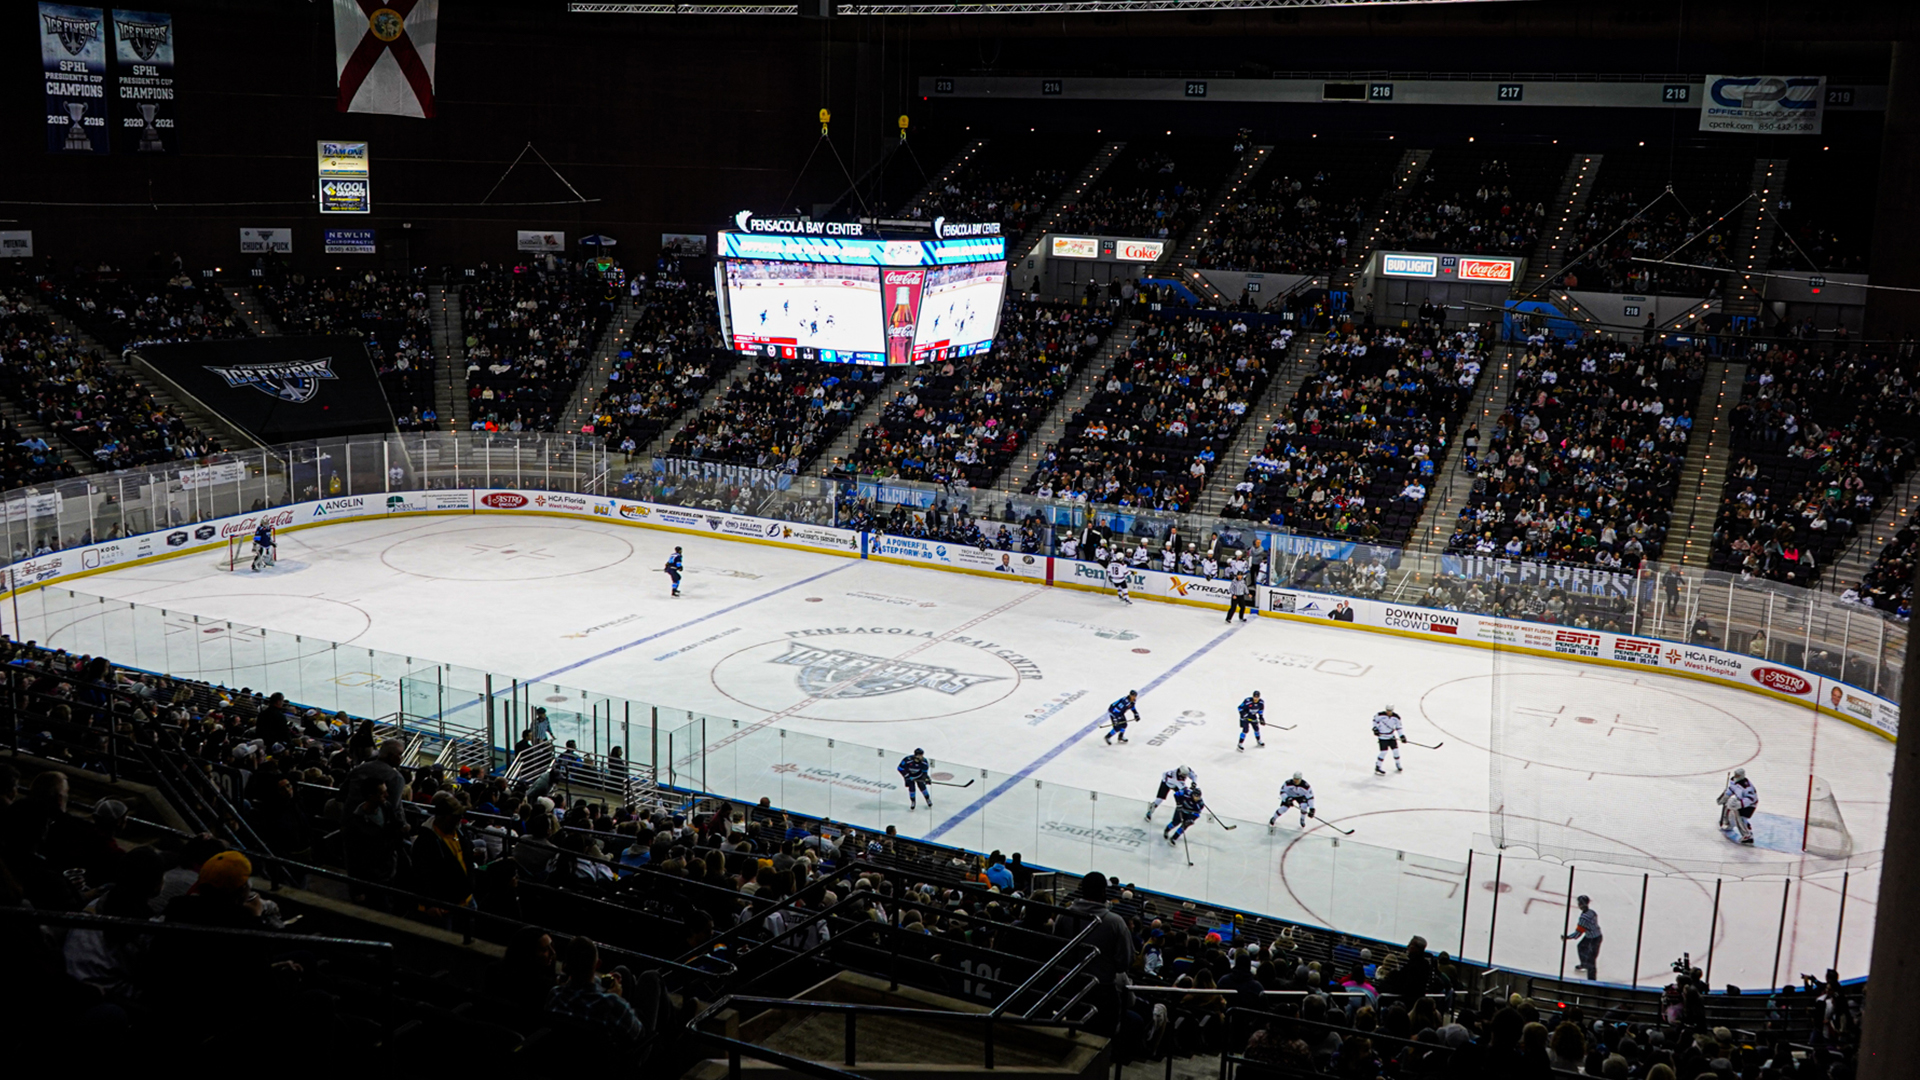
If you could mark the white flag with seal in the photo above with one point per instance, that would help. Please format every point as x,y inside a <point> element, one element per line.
<point>384,50</point>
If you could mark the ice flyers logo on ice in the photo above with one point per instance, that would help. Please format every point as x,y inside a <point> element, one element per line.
<point>293,380</point>
<point>842,673</point>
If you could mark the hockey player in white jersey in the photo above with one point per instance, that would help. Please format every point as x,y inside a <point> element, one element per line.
<point>1175,779</point>
<point>1139,556</point>
<point>1386,728</point>
<point>1295,792</point>
<point>1118,575</point>
<point>1737,804</point>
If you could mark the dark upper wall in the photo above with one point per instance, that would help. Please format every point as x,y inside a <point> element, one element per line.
<point>675,122</point>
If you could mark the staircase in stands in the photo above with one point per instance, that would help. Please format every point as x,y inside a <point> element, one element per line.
<point>1405,175</point>
<point>450,346</point>
<point>1704,476</point>
<point>1550,255</point>
<point>247,304</point>
<point>1178,260</point>
<point>615,339</point>
<point>1302,359</point>
<point>1025,246</point>
<point>954,166</point>
<point>1453,487</point>
<point>1899,511</point>
<point>1021,468</point>
<point>733,366</point>
<point>1753,240</point>
<point>840,451</point>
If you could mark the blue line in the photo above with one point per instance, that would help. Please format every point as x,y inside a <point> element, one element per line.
<point>1006,785</point>
<point>617,649</point>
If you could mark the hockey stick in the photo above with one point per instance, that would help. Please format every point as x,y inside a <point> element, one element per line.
<point>1422,745</point>
<point>1217,821</point>
<point>1281,727</point>
<point>1331,825</point>
<point>944,783</point>
<point>1184,846</point>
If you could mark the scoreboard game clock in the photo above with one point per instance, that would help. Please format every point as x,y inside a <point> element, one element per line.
<point>847,293</point>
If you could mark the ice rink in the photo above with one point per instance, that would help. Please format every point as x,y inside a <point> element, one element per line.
<point>1006,683</point>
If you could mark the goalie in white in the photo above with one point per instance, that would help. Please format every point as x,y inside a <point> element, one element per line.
<point>1295,792</point>
<point>1737,803</point>
<point>265,548</point>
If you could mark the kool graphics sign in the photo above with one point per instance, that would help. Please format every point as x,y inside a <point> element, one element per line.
<point>1766,104</point>
<point>345,196</point>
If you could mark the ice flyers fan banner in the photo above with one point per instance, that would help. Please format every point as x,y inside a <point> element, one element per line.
<point>143,82</point>
<point>280,389</point>
<point>73,60</point>
<point>384,50</point>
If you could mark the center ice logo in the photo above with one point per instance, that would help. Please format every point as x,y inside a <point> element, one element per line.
<point>841,673</point>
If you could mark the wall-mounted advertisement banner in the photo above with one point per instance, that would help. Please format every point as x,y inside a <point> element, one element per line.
<point>34,506</point>
<point>1139,250</point>
<point>143,82</point>
<point>16,244</point>
<point>681,243</point>
<point>346,196</point>
<point>1075,247</point>
<point>281,389</point>
<point>1422,266</point>
<point>1767,104</point>
<point>349,242</point>
<point>206,476</point>
<point>538,240</point>
<point>348,159</point>
<point>73,61</point>
<point>266,241</point>
<point>1473,269</point>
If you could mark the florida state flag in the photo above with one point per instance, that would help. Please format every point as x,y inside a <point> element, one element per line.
<point>385,51</point>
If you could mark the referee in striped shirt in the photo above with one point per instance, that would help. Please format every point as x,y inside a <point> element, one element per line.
<point>1588,931</point>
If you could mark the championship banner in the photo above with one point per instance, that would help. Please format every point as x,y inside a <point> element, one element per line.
<point>143,82</point>
<point>280,389</point>
<point>1766,104</point>
<point>73,57</point>
<point>384,51</point>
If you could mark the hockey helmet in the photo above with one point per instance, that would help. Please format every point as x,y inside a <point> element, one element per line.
<point>1298,778</point>
<point>1182,772</point>
<point>1739,774</point>
<point>917,752</point>
<point>1256,693</point>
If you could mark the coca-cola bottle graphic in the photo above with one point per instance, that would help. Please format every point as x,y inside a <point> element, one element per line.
<point>900,326</point>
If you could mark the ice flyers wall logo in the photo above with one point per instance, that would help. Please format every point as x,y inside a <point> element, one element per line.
<point>146,39</point>
<point>74,34</point>
<point>831,673</point>
<point>296,381</point>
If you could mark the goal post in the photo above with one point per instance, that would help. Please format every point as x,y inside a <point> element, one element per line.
<point>238,554</point>
<point>1824,831</point>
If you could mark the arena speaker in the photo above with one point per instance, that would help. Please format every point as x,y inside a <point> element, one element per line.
<point>819,9</point>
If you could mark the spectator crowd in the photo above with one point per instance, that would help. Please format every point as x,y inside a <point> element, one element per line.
<point>530,332</point>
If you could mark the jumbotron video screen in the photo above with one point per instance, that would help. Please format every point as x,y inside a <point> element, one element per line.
<point>883,299</point>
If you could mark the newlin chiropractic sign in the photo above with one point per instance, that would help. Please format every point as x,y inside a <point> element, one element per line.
<point>280,389</point>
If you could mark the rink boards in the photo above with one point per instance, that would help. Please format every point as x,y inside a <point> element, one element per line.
<point>1828,696</point>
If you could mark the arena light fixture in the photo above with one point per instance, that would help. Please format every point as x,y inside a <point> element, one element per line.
<point>998,7</point>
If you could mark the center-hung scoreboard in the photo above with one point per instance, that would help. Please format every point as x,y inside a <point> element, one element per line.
<point>851,293</point>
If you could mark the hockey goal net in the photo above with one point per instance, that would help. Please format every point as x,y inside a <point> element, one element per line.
<point>1825,833</point>
<point>239,553</point>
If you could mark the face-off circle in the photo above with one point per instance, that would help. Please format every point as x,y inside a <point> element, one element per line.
<point>877,676</point>
<point>1588,724</point>
<point>507,553</point>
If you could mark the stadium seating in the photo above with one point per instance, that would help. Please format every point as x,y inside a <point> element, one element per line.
<point>122,310</point>
<point>672,359</point>
<point>530,333</point>
<point>1150,435</point>
<point>1011,180</point>
<point>1819,440</point>
<point>1305,207</point>
<point>102,412</point>
<point>1477,202</point>
<point>1888,583</point>
<point>961,421</point>
<point>1633,214</point>
<point>1583,465</point>
<point>782,414</point>
<point>1157,188</point>
<point>387,310</point>
<point>1817,227</point>
<point>1356,454</point>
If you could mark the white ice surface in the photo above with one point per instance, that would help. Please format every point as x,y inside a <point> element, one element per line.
<point>1611,761</point>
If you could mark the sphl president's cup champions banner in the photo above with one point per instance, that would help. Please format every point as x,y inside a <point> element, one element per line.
<point>94,107</point>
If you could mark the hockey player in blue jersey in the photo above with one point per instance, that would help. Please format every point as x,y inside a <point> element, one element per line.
<point>1253,714</point>
<point>1117,716</point>
<point>1187,805</point>
<point>913,769</point>
<point>676,564</point>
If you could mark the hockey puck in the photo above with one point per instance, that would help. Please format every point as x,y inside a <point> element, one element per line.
<point>1143,651</point>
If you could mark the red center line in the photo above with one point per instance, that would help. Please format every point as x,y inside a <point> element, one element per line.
<point>774,718</point>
